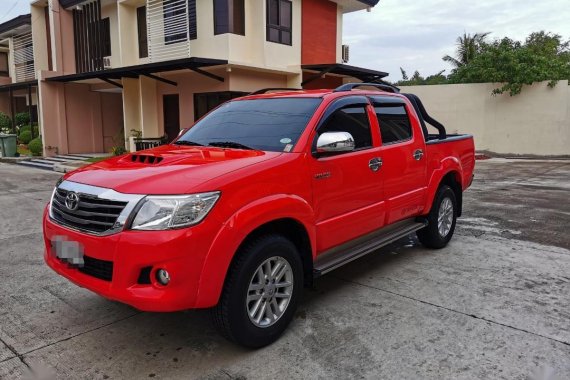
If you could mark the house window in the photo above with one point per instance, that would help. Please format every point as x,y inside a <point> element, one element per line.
<point>207,101</point>
<point>4,72</point>
<point>229,17</point>
<point>279,21</point>
<point>174,12</point>
<point>142,33</point>
<point>105,37</point>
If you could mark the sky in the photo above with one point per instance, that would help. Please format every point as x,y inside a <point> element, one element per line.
<point>416,34</point>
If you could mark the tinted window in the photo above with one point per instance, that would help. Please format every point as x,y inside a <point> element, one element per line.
<point>106,37</point>
<point>207,101</point>
<point>142,33</point>
<point>279,21</point>
<point>351,119</point>
<point>229,16</point>
<point>263,124</point>
<point>394,123</point>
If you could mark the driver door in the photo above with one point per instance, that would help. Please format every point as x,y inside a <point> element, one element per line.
<point>347,189</point>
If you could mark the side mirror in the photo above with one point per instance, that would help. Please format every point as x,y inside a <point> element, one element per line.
<point>335,142</point>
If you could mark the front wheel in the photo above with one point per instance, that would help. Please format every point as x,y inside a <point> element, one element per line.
<point>441,219</point>
<point>261,292</point>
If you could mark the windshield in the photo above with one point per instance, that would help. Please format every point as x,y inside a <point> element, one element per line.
<point>262,124</point>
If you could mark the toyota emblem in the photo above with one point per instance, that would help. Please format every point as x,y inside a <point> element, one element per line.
<point>72,201</point>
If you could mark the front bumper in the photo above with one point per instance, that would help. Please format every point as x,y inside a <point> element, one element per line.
<point>181,252</point>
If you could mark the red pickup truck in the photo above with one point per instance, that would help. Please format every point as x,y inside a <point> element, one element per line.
<point>255,200</point>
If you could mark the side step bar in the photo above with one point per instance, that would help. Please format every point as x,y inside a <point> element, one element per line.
<point>345,253</point>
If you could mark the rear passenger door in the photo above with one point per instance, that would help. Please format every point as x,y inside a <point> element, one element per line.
<point>347,191</point>
<point>402,152</point>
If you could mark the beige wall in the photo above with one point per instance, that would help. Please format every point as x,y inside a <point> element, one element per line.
<point>251,50</point>
<point>535,122</point>
<point>39,38</point>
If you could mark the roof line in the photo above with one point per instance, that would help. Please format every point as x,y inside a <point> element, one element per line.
<point>136,70</point>
<point>16,22</point>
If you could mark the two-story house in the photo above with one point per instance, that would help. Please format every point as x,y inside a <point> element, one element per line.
<point>155,66</point>
<point>18,84</point>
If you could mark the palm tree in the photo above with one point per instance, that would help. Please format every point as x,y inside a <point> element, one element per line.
<point>467,47</point>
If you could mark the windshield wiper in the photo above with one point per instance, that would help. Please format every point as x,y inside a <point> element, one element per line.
<point>186,142</point>
<point>229,144</point>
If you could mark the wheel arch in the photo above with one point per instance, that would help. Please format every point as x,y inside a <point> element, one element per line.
<point>450,176</point>
<point>287,215</point>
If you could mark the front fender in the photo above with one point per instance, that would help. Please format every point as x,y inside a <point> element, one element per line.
<point>234,231</point>
<point>446,166</point>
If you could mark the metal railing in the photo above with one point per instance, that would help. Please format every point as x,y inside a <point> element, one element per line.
<point>148,143</point>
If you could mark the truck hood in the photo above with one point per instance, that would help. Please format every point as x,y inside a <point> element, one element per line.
<point>167,169</point>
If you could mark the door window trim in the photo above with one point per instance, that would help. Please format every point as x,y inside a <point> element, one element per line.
<point>389,101</point>
<point>335,105</point>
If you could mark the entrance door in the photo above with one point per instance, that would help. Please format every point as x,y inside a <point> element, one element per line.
<point>171,110</point>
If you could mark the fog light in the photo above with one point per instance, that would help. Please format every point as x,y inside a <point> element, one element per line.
<point>162,277</point>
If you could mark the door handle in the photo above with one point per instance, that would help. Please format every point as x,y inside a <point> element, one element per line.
<point>418,154</point>
<point>375,164</point>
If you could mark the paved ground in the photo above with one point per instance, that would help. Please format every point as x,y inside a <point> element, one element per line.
<point>494,304</point>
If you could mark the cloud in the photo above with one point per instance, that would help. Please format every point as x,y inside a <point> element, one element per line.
<point>416,35</point>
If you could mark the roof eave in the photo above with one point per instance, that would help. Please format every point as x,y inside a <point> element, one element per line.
<point>7,27</point>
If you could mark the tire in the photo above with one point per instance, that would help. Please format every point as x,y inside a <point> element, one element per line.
<point>436,235</point>
<point>236,316</point>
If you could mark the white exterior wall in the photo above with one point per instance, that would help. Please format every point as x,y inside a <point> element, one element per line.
<point>535,122</point>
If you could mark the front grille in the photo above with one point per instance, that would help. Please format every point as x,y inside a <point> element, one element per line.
<point>93,214</point>
<point>100,269</point>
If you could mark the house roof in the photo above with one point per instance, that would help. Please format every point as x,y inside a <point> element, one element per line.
<point>365,75</point>
<point>193,63</point>
<point>17,25</point>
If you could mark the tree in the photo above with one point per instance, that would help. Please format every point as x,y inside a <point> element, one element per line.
<point>418,80</point>
<point>542,57</point>
<point>467,47</point>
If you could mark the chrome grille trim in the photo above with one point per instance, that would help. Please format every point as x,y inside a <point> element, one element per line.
<point>101,211</point>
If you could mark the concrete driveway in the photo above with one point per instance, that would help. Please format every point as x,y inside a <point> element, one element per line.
<point>494,304</point>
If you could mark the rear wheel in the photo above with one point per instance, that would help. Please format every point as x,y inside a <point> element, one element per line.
<point>261,292</point>
<point>441,219</point>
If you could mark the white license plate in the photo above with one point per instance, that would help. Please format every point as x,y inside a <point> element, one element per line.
<point>68,250</point>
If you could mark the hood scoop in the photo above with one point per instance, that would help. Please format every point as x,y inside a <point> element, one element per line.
<point>145,159</point>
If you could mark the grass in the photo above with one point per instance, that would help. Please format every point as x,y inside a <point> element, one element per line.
<point>24,151</point>
<point>96,159</point>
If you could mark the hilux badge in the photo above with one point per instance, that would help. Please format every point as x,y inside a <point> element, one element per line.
<point>72,201</point>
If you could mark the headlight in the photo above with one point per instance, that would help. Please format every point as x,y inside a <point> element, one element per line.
<point>166,212</point>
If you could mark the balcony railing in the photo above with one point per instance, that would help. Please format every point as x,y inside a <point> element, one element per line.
<point>171,24</point>
<point>24,58</point>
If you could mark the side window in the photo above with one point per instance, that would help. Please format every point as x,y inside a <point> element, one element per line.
<point>279,21</point>
<point>352,119</point>
<point>394,123</point>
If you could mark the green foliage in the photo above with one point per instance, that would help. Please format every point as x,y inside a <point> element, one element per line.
<point>118,150</point>
<point>136,133</point>
<point>29,128</point>
<point>22,118</point>
<point>25,137</point>
<point>5,123</point>
<point>418,80</point>
<point>35,146</point>
<point>467,47</point>
<point>542,57</point>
